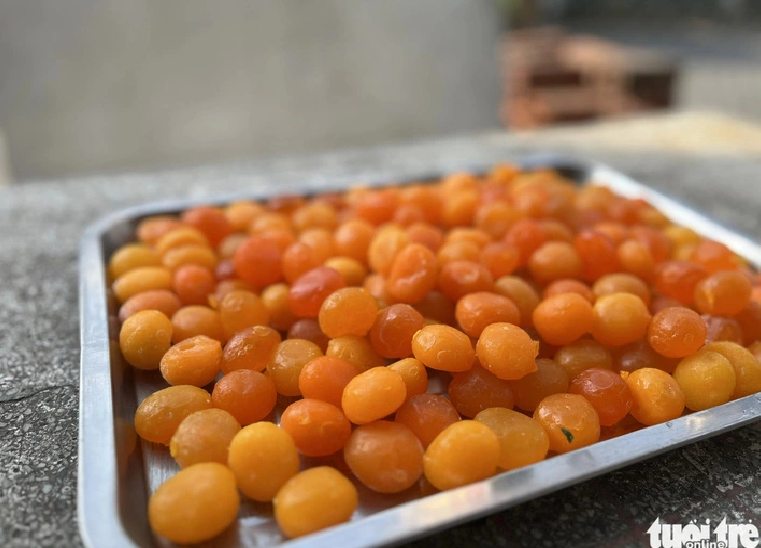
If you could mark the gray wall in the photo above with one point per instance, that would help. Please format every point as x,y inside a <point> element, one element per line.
<point>99,85</point>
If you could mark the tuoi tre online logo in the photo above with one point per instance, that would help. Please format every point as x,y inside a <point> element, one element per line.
<point>692,535</point>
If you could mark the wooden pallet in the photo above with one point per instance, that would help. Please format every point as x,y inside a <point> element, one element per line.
<point>552,77</point>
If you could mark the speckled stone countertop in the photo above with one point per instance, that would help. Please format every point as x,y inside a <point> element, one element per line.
<point>40,227</point>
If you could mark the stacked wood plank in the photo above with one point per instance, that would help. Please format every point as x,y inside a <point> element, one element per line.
<point>551,77</point>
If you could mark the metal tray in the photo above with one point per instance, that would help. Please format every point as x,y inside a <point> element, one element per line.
<point>117,473</point>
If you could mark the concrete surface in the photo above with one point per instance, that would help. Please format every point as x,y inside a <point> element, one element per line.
<point>88,87</point>
<point>40,226</point>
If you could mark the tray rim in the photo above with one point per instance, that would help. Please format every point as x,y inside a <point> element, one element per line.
<point>98,516</point>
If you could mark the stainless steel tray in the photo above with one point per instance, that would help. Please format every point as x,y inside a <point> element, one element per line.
<point>118,473</point>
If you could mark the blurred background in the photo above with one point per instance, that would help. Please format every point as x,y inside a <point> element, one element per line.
<point>111,86</point>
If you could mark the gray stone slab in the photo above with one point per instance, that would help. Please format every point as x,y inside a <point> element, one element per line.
<point>40,226</point>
